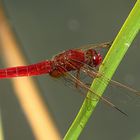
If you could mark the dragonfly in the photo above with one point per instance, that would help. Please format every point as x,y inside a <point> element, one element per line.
<point>85,59</point>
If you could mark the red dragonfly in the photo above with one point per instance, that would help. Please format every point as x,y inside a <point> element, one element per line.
<point>85,59</point>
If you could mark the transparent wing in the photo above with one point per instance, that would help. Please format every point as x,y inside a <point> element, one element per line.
<point>92,72</point>
<point>84,86</point>
<point>94,46</point>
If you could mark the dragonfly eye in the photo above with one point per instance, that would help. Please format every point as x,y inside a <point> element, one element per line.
<point>97,59</point>
<point>93,58</point>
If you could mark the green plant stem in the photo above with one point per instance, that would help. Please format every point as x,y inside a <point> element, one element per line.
<point>108,67</point>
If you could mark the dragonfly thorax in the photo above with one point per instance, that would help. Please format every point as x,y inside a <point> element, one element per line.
<point>67,61</point>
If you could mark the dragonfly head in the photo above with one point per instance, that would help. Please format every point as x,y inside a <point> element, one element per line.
<point>93,58</point>
<point>97,59</point>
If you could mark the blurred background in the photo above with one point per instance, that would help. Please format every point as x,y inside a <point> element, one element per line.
<point>45,28</point>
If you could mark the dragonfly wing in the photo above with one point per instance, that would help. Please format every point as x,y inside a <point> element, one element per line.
<point>94,46</point>
<point>97,97</point>
<point>85,87</point>
<point>93,72</point>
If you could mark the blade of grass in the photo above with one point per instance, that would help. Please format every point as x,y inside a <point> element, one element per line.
<point>108,67</point>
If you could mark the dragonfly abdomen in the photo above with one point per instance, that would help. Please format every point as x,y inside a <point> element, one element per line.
<point>30,70</point>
